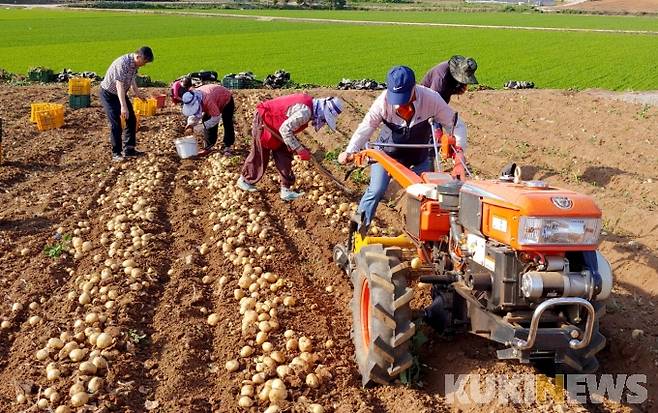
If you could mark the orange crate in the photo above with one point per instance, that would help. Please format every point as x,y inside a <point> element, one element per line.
<point>79,86</point>
<point>50,118</point>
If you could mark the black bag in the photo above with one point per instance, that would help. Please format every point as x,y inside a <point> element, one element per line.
<point>204,76</point>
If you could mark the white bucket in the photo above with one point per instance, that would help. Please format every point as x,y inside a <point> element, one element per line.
<point>187,147</point>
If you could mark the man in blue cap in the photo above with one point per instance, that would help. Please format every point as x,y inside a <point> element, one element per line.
<point>402,111</point>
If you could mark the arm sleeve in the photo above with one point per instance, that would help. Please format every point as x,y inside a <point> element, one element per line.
<point>212,122</point>
<point>368,125</point>
<point>133,85</point>
<point>445,115</point>
<point>298,116</point>
<point>192,121</point>
<point>123,69</point>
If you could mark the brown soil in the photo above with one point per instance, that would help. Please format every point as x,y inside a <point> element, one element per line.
<point>617,6</point>
<point>166,358</point>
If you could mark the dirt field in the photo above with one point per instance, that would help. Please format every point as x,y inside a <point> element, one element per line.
<point>615,6</point>
<point>162,261</point>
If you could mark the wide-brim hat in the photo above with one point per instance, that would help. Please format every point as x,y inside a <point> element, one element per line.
<point>192,104</point>
<point>332,107</point>
<point>463,69</point>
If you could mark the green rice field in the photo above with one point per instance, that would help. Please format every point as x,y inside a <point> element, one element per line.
<point>323,53</point>
<point>529,19</point>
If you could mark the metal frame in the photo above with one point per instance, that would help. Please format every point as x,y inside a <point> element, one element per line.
<point>553,340</point>
<point>521,344</point>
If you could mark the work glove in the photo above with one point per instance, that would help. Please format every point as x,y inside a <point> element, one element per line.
<point>303,153</point>
<point>447,143</point>
<point>344,158</point>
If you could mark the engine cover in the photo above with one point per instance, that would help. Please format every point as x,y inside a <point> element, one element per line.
<point>494,209</point>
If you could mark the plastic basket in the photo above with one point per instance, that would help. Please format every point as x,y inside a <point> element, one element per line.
<point>36,107</point>
<point>137,119</point>
<point>236,83</point>
<point>79,86</point>
<point>161,101</point>
<point>145,107</point>
<point>39,74</point>
<point>79,101</point>
<point>50,118</point>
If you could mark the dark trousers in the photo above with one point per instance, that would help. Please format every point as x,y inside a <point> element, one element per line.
<point>112,106</point>
<point>210,135</point>
<point>256,162</point>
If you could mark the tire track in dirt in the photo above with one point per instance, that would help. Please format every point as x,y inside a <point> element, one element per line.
<point>182,342</point>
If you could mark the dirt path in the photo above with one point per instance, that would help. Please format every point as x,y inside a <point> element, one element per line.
<point>611,6</point>
<point>203,236</point>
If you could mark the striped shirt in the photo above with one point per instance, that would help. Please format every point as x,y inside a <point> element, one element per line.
<point>122,69</point>
<point>298,116</point>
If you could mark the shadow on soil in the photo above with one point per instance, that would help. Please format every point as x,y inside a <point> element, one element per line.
<point>28,226</point>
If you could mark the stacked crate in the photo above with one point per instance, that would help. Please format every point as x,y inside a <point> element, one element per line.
<point>79,92</point>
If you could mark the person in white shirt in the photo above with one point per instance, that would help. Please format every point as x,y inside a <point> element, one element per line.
<point>402,111</point>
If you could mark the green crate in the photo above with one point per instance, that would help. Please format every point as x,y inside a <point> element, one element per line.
<point>79,101</point>
<point>143,81</point>
<point>40,75</point>
<point>233,83</point>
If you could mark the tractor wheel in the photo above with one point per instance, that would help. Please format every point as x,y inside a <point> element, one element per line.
<point>584,361</point>
<point>381,316</point>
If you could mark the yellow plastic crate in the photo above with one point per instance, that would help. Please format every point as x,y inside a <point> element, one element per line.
<point>36,107</point>
<point>137,119</point>
<point>50,118</point>
<point>79,86</point>
<point>145,107</point>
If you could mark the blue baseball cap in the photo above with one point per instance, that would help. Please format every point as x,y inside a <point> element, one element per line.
<point>400,83</point>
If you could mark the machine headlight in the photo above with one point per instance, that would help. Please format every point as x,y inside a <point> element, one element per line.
<point>559,231</point>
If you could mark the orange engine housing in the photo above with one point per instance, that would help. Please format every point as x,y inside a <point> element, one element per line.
<point>502,204</point>
<point>424,218</point>
<point>491,208</point>
<point>494,209</point>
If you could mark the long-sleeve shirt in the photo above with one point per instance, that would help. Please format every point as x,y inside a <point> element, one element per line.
<point>428,104</point>
<point>298,116</point>
<point>440,80</point>
<point>215,98</point>
<point>122,69</point>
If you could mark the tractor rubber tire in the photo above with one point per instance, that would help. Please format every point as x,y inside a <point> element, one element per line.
<point>381,315</point>
<point>584,361</point>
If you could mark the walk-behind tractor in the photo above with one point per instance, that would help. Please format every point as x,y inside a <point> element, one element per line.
<point>513,261</point>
